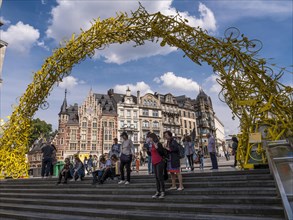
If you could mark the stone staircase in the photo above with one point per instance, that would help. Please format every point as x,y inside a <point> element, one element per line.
<point>221,195</point>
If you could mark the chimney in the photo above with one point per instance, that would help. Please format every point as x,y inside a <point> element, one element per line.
<point>138,97</point>
<point>110,92</point>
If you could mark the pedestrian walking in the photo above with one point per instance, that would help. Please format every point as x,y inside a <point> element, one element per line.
<point>48,152</point>
<point>234,149</point>
<point>189,151</point>
<point>173,164</point>
<point>126,158</point>
<point>159,155</point>
<point>212,151</point>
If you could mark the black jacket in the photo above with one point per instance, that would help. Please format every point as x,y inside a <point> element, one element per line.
<point>162,151</point>
<point>174,153</point>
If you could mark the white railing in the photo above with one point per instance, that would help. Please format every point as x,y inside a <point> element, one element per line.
<point>280,159</point>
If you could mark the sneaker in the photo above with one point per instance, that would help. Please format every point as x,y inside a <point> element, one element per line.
<point>156,195</point>
<point>162,196</point>
<point>79,179</point>
<point>72,180</point>
<point>121,182</point>
<point>180,189</point>
<point>172,188</point>
<point>127,183</point>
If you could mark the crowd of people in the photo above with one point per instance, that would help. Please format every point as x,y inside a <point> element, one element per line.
<point>163,159</point>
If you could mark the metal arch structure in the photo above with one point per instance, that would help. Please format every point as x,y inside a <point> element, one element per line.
<point>249,87</point>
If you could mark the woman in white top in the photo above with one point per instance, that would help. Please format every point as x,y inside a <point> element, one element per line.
<point>189,151</point>
<point>125,158</point>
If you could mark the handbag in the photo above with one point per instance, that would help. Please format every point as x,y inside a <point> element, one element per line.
<point>126,158</point>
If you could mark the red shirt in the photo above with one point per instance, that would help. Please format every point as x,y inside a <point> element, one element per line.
<point>156,158</point>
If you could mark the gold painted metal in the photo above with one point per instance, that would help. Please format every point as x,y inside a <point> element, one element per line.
<point>249,87</point>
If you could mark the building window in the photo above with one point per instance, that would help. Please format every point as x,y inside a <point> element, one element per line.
<point>95,125</point>
<point>105,124</point>
<point>128,124</point>
<point>94,147</point>
<point>111,124</point>
<point>83,135</point>
<point>83,146</point>
<point>145,112</point>
<point>62,130</point>
<point>155,113</point>
<point>156,124</point>
<point>145,124</point>
<point>184,113</point>
<point>121,113</point>
<point>73,135</point>
<point>135,125</point>
<point>38,157</point>
<point>62,141</point>
<point>128,113</point>
<point>94,136</point>
<point>72,146</point>
<point>121,124</point>
<point>110,135</point>
<point>135,137</point>
<point>83,124</point>
<point>135,114</point>
<point>33,158</point>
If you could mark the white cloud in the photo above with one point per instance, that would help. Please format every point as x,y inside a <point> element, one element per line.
<point>229,10</point>
<point>212,84</point>
<point>139,86</point>
<point>64,23</point>
<point>4,21</point>
<point>173,82</point>
<point>20,37</point>
<point>70,82</point>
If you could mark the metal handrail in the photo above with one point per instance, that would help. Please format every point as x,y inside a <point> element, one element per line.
<point>273,168</point>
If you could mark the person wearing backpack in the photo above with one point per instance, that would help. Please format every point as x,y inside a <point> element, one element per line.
<point>158,160</point>
<point>173,165</point>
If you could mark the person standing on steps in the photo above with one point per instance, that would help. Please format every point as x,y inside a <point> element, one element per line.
<point>173,165</point>
<point>159,155</point>
<point>147,148</point>
<point>212,151</point>
<point>48,153</point>
<point>189,151</point>
<point>127,149</point>
<point>234,148</point>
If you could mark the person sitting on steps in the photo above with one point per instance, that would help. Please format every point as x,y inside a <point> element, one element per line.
<point>65,172</point>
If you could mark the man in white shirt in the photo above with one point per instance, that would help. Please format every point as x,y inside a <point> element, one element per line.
<point>212,151</point>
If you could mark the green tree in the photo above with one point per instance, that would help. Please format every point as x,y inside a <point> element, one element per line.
<point>40,129</point>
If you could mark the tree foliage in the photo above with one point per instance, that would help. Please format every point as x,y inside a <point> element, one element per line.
<point>40,129</point>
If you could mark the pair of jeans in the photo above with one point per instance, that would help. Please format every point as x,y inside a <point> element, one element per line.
<point>79,174</point>
<point>214,160</point>
<point>127,165</point>
<point>46,166</point>
<point>66,175</point>
<point>235,158</point>
<point>150,165</point>
<point>97,173</point>
<point>190,161</point>
<point>159,174</point>
<point>201,166</point>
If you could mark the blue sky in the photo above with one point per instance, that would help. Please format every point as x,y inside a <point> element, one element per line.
<point>34,28</point>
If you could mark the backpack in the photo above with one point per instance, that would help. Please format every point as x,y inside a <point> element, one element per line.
<point>181,151</point>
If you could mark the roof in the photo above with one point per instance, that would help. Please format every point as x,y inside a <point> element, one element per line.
<point>107,104</point>
<point>72,112</point>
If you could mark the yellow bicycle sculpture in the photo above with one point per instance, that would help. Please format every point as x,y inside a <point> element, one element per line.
<point>249,87</point>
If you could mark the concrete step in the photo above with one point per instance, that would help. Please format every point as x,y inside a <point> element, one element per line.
<point>199,199</point>
<point>203,174</point>
<point>128,190</point>
<point>113,184</point>
<point>126,210</point>
<point>150,179</point>
<point>26,215</point>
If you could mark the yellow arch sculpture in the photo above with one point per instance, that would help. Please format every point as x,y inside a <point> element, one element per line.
<point>249,87</point>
